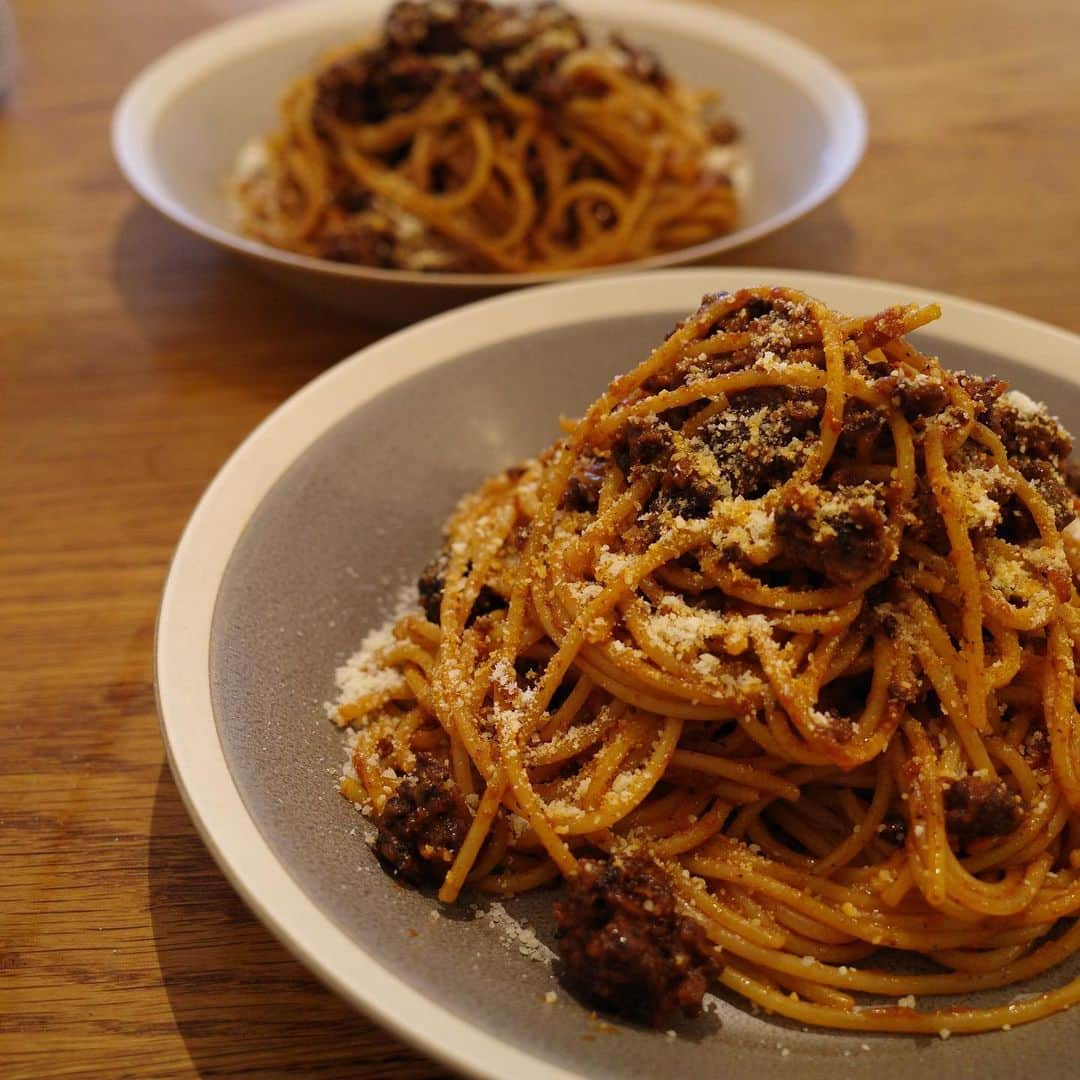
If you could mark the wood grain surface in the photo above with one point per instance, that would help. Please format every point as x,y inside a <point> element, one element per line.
<point>134,358</point>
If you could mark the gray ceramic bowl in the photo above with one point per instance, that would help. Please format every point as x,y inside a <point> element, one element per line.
<point>301,545</point>
<point>179,126</point>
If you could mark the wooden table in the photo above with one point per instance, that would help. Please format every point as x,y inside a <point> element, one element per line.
<point>134,358</point>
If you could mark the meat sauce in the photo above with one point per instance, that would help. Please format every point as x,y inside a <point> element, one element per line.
<point>626,948</point>
<point>423,825</point>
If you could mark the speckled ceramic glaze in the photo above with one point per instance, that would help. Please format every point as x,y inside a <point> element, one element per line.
<point>328,544</point>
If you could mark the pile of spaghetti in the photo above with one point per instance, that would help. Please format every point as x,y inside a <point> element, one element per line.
<point>473,137</point>
<point>771,657</point>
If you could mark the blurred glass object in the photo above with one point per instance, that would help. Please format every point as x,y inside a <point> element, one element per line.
<point>7,50</point>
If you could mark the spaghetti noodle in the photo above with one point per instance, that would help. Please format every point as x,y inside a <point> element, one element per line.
<point>473,137</point>
<point>782,635</point>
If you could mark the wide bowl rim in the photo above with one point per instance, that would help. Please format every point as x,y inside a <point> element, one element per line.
<point>181,66</point>
<point>185,618</point>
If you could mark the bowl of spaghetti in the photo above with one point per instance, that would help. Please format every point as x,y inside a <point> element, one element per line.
<point>399,159</point>
<point>740,705</point>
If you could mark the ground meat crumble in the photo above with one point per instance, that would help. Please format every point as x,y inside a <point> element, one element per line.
<point>423,824</point>
<point>841,534</point>
<point>583,487</point>
<point>756,444</point>
<point>524,44</point>
<point>977,807</point>
<point>626,948</point>
<point>430,585</point>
